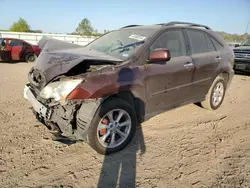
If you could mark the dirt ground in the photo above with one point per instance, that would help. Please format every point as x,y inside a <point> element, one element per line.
<point>185,147</point>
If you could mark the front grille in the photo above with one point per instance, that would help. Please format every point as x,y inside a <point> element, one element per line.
<point>242,54</point>
<point>242,51</point>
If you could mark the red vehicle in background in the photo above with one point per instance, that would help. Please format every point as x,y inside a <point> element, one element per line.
<point>12,49</point>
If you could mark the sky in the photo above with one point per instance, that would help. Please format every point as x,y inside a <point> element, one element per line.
<point>63,16</point>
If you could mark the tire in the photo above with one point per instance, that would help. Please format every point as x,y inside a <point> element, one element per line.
<point>109,107</point>
<point>208,102</point>
<point>30,58</point>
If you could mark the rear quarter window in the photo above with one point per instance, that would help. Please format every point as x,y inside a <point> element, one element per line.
<point>210,44</point>
<point>217,45</point>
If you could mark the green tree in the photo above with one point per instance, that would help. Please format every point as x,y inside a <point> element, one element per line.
<point>84,28</point>
<point>20,26</point>
<point>234,37</point>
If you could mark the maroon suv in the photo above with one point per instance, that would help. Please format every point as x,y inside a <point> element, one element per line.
<point>101,92</point>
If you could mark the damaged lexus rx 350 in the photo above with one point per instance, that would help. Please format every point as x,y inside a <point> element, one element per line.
<point>100,93</point>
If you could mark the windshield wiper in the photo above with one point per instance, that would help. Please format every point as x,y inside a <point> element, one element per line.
<point>128,45</point>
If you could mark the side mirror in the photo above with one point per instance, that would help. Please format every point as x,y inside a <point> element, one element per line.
<point>159,55</point>
<point>236,45</point>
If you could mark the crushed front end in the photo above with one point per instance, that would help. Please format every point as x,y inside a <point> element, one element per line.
<point>51,107</point>
<point>56,117</point>
<point>59,71</point>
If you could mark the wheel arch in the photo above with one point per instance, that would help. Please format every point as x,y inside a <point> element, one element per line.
<point>84,117</point>
<point>132,99</point>
<point>225,75</point>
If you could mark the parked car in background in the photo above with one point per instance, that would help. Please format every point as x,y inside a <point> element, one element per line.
<point>232,45</point>
<point>101,92</point>
<point>12,49</point>
<point>242,56</point>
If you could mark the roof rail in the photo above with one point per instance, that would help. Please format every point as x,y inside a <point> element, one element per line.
<point>130,26</point>
<point>186,23</point>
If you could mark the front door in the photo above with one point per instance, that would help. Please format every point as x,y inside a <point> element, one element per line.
<point>17,46</point>
<point>168,83</point>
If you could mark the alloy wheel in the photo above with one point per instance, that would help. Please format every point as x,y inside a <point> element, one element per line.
<point>114,128</point>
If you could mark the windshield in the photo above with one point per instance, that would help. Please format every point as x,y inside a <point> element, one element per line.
<point>246,42</point>
<point>121,43</point>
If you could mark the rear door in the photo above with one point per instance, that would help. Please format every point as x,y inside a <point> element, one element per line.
<point>168,83</point>
<point>206,59</point>
<point>16,50</point>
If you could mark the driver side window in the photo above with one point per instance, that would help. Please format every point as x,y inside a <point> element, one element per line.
<point>172,40</point>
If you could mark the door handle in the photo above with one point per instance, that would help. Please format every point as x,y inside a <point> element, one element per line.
<point>217,58</point>
<point>188,64</point>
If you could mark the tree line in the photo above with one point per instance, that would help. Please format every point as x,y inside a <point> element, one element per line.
<point>85,28</point>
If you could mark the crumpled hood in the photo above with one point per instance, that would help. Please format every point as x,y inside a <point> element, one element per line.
<point>58,57</point>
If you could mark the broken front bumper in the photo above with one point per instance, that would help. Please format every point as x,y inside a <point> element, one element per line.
<point>57,117</point>
<point>40,109</point>
<point>71,120</point>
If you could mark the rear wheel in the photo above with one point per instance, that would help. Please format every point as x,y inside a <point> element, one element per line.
<point>30,58</point>
<point>113,127</point>
<point>215,95</point>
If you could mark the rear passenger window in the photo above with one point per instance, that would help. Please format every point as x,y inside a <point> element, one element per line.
<point>217,45</point>
<point>198,42</point>
<point>172,40</point>
<point>210,44</point>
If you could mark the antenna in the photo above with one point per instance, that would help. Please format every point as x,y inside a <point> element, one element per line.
<point>247,27</point>
<point>248,5</point>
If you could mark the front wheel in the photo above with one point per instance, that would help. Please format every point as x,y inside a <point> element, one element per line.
<point>215,95</point>
<point>113,126</point>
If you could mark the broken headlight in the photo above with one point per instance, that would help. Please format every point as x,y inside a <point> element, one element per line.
<point>59,90</point>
